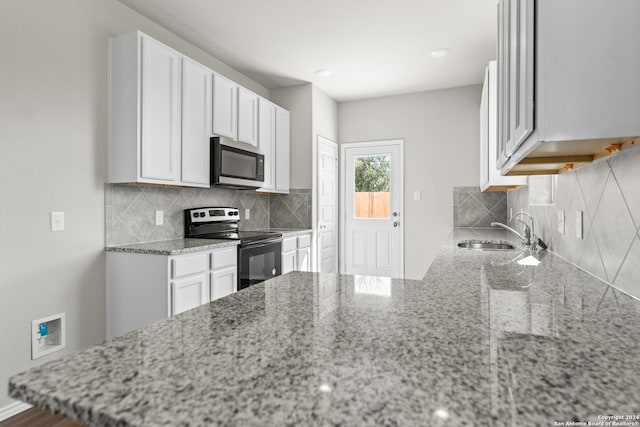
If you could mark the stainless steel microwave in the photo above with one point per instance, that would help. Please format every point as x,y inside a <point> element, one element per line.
<point>235,164</point>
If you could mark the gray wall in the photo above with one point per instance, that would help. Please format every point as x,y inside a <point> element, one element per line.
<point>440,130</point>
<point>53,141</point>
<point>608,193</point>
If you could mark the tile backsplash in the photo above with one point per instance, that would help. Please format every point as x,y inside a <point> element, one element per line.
<point>130,210</point>
<point>291,210</point>
<point>608,194</point>
<point>472,208</point>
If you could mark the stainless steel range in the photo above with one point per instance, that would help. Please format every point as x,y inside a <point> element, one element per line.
<point>259,252</point>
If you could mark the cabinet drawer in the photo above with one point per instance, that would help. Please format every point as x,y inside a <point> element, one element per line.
<point>223,258</point>
<point>304,241</point>
<point>289,244</point>
<point>191,264</point>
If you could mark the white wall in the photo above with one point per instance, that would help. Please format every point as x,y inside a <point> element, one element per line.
<point>441,134</point>
<point>53,137</point>
<point>325,115</point>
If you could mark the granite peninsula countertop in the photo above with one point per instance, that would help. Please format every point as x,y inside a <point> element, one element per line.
<point>480,341</point>
<point>174,246</point>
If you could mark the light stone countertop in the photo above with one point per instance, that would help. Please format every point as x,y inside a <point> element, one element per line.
<point>174,246</point>
<point>480,341</point>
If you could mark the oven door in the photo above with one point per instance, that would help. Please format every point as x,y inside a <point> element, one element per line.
<point>259,261</point>
<point>236,165</point>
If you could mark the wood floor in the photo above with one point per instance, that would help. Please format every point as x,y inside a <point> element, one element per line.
<point>35,417</point>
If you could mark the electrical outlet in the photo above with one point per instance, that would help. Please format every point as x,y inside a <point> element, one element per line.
<point>561,222</point>
<point>247,213</point>
<point>159,217</point>
<point>57,221</point>
<point>416,195</point>
<point>579,225</point>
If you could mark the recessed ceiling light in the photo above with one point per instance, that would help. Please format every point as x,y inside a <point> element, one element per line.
<point>323,72</point>
<point>440,53</point>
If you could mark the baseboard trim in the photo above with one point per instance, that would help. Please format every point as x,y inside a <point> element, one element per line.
<point>13,409</point>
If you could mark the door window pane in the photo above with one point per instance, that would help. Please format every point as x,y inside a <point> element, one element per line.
<point>372,184</point>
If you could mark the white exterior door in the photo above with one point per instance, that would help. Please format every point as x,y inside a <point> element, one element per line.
<point>373,189</point>
<point>327,213</point>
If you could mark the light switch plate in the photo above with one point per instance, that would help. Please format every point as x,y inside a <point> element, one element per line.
<point>579,225</point>
<point>416,195</point>
<point>561,222</point>
<point>57,221</point>
<point>159,217</point>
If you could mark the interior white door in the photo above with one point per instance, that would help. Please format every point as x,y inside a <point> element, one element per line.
<point>373,189</point>
<point>327,214</point>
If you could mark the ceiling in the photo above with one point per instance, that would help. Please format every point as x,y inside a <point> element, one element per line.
<point>372,47</point>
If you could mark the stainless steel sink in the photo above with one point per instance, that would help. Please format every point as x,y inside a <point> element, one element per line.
<point>485,245</point>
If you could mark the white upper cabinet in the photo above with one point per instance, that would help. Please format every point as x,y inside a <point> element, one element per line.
<point>273,142</point>
<point>225,107</point>
<point>490,178</point>
<point>267,140</point>
<point>247,116</point>
<point>282,150</point>
<point>160,111</point>
<point>196,123</point>
<point>579,95</point>
<point>159,114</point>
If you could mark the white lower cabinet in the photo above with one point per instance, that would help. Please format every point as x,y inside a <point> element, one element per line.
<point>296,253</point>
<point>144,288</point>
<point>189,293</point>
<point>226,282</point>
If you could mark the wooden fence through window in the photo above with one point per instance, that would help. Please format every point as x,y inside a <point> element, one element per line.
<point>372,205</point>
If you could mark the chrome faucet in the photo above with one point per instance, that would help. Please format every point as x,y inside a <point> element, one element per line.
<point>528,237</point>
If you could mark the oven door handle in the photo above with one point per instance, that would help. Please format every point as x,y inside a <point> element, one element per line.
<point>261,243</point>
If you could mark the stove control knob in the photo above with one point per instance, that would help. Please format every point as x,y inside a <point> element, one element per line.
<point>236,213</point>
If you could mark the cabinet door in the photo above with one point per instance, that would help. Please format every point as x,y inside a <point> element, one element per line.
<point>303,259</point>
<point>189,293</point>
<point>289,262</point>
<point>196,123</point>
<point>225,103</point>
<point>282,150</point>
<point>224,282</point>
<point>503,82</point>
<point>247,116</point>
<point>521,98</point>
<point>484,132</point>
<point>267,140</point>
<point>160,112</point>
